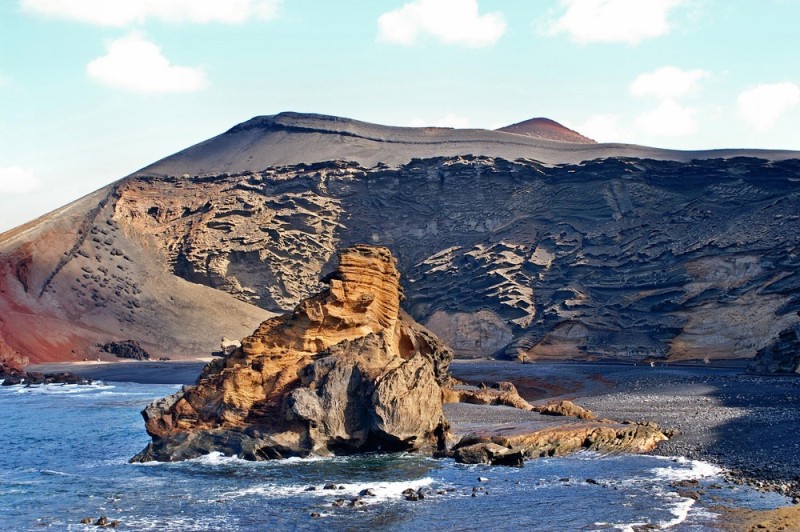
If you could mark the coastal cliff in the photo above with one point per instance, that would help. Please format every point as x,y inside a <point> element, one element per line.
<point>346,371</point>
<point>511,245</point>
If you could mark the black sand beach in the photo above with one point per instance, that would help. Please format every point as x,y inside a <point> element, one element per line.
<point>178,372</point>
<point>747,424</point>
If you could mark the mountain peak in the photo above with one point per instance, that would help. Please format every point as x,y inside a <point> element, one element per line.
<point>545,128</point>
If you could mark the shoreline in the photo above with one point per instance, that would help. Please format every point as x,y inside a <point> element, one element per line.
<point>136,371</point>
<point>746,424</point>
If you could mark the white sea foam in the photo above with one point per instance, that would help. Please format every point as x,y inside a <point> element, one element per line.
<point>216,458</point>
<point>384,491</point>
<point>62,389</point>
<point>680,507</point>
<point>173,522</point>
<point>696,470</point>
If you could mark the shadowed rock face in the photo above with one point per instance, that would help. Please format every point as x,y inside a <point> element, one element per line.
<point>346,371</point>
<point>619,258</point>
<point>780,356</point>
<point>626,256</point>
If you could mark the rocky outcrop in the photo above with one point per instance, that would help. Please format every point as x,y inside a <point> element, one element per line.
<point>533,441</point>
<point>501,393</point>
<point>565,408</point>
<point>505,394</point>
<point>509,440</point>
<point>126,349</point>
<point>346,371</point>
<point>781,356</point>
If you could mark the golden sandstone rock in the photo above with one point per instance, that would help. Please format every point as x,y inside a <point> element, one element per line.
<point>346,371</point>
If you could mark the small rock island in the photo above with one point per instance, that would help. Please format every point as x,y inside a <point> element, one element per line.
<point>349,371</point>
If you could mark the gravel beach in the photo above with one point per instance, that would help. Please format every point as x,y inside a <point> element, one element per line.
<point>749,425</point>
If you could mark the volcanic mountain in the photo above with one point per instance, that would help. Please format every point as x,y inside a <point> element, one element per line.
<point>544,128</point>
<point>510,244</point>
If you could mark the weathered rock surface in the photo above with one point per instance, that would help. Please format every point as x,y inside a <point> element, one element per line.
<point>126,349</point>
<point>346,371</point>
<point>488,453</point>
<point>781,356</point>
<point>509,440</point>
<point>526,248</point>
<point>565,408</point>
<point>534,441</point>
<point>501,393</point>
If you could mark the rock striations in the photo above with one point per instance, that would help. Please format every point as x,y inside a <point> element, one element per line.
<point>512,245</point>
<point>781,356</point>
<point>346,371</point>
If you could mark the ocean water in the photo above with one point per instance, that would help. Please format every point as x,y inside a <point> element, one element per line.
<point>65,451</point>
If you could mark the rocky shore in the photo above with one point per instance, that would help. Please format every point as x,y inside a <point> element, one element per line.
<point>744,423</point>
<point>747,424</point>
<point>11,376</point>
<point>347,371</point>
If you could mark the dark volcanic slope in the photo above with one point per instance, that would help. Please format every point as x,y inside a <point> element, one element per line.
<point>624,257</point>
<point>292,138</point>
<point>544,128</point>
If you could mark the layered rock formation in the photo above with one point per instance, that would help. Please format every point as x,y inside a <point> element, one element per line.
<point>526,248</point>
<point>533,441</point>
<point>346,371</point>
<point>781,356</point>
<point>542,431</point>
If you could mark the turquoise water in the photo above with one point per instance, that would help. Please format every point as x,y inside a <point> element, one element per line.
<point>66,450</point>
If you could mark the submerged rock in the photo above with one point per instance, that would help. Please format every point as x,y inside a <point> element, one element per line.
<point>347,371</point>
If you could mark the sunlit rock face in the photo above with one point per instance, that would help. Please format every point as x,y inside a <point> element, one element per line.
<point>346,371</point>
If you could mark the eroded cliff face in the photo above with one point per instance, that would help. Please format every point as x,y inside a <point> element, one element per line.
<point>618,258</point>
<point>689,256</point>
<point>781,356</point>
<point>346,371</point>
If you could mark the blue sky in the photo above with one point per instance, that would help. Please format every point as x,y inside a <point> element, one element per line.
<point>91,90</point>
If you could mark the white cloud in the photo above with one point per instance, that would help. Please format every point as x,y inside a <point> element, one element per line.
<point>763,105</point>
<point>449,21</point>
<point>667,82</point>
<point>668,85</point>
<point>624,21</point>
<point>125,12</point>
<point>449,120</point>
<point>604,128</point>
<point>17,180</point>
<point>669,119</point>
<point>135,64</point>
